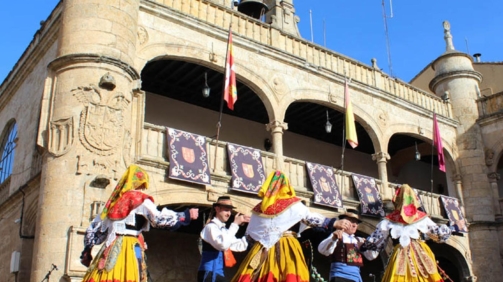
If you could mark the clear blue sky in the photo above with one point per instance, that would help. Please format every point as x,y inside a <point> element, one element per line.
<point>354,28</point>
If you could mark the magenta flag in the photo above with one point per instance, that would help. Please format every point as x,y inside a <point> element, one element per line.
<point>437,142</point>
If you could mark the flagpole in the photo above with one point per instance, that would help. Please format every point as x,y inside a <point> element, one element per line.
<point>343,136</point>
<point>219,123</point>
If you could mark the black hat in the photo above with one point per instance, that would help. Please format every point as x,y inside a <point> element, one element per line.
<point>224,201</point>
<point>350,213</point>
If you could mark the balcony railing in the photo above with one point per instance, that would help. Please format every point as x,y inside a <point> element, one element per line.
<point>314,55</point>
<point>153,150</point>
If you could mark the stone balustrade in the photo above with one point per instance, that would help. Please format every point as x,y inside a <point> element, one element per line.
<point>491,105</point>
<point>153,151</point>
<point>315,56</point>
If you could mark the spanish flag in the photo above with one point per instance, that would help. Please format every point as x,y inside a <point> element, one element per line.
<point>350,119</point>
<point>230,89</point>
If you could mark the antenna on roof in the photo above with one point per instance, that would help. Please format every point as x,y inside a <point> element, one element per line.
<point>311,24</point>
<point>388,49</point>
<point>324,34</point>
<point>467,49</point>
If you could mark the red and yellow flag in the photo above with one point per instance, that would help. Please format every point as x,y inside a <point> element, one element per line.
<point>230,89</point>
<point>350,119</point>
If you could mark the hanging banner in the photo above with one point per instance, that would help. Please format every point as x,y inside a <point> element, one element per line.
<point>454,213</point>
<point>246,167</point>
<point>188,159</point>
<point>326,191</point>
<point>369,195</point>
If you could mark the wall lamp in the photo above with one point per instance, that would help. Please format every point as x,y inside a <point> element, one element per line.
<point>328,125</point>
<point>417,156</point>
<point>206,88</point>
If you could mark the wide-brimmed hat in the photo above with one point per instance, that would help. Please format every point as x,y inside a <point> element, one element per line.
<point>224,201</point>
<point>350,213</point>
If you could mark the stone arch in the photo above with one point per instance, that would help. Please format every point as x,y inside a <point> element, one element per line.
<point>497,149</point>
<point>320,97</point>
<point>458,265</point>
<point>411,129</point>
<point>202,56</point>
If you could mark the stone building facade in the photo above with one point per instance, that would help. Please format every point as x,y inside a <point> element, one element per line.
<point>101,81</point>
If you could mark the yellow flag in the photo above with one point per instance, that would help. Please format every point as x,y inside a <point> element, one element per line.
<point>350,119</point>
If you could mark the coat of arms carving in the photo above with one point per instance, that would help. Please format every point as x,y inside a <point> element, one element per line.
<point>101,124</point>
<point>61,136</point>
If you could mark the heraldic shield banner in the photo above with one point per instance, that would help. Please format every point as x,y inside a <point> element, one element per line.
<point>188,159</point>
<point>247,169</point>
<point>454,213</point>
<point>369,196</point>
<point>326,191</point>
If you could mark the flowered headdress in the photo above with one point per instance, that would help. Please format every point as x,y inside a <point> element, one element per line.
<point>134,178</point>
<point>276,194</point>
<point>406,206</point>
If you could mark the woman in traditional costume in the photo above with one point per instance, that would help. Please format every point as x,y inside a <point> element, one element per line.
<point>277,254</point>
<point>127,213</point>
<point>412,259</point>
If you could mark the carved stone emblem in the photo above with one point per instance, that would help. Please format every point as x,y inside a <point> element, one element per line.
<point>97,165</point>
<point>142,35</point>
<point>101,124</point>
<point>61,136</point>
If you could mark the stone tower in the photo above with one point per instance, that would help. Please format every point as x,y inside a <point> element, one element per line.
<point>456,79</point>
<point>86,120</point>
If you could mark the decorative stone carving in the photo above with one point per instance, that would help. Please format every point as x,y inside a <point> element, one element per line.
<point>101,128</point>
<point>449,46</point>
<point>382,118</point>
<point>493,176</point>
<point>90,165</point>
<point>61,136</point>
<point>279,86</point>
<point>126,148</point>
<point>107,82</point>
<point>489,156</point>
<point>276,125</point>
<point>381,157</point>
<point>142,35</point>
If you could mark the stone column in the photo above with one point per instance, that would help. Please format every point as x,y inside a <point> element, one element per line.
<point>459,190</point>
<point>88,124</point>
<point>382,158</point>
<point>277,128</point>
<point>493,179</point>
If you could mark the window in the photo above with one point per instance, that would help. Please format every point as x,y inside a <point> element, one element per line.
<point>8,147</point>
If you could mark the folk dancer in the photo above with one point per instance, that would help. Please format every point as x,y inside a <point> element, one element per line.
<point>277,254</point>
<point>342,246</point>
<point>219,242</point>
<point>127,213</point>
<point>411,259</point>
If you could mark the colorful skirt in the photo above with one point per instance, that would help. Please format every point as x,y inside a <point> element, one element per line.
<point>122,261</point>
<point>416,262</point>
<point>284,262</point>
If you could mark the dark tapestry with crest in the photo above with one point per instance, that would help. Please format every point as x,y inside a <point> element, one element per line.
<point>246,167</point>
<point>326,191</point>
<point>188,158</point>
<point>369,195</point>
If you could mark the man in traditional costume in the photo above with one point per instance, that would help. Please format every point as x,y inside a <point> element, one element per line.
<point>343,248</point>
<point>277,254</point>
<point>412,259</point>
<point>127,213</point>
<point>219,242</point>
